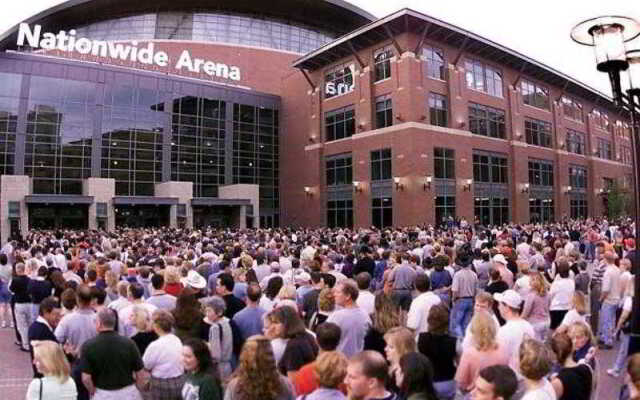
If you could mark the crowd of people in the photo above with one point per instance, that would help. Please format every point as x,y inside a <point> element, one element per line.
<point>416,313</point>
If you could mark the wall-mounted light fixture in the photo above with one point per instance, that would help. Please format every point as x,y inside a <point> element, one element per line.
<point>467,185</point>
<point>356,186</point>
<point>427,182</point>
<point>307,191</point>
<point>569,189</point>
<point>398,182</point>
<point>399,117</point>
<point>525,188</point>
<point>312,138</point>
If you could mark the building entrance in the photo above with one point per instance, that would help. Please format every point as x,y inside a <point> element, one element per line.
<point>213,216</point>
<point>58,216</point>
<point>142,216</point>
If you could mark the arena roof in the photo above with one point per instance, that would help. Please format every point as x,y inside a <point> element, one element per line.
<point>336,16</point>
<point>407,20</point>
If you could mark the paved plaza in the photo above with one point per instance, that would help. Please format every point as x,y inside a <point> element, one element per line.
<point>16,372</point>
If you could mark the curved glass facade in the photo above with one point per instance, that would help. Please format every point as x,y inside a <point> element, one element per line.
<point>209,27</point>
<point>63,123</point>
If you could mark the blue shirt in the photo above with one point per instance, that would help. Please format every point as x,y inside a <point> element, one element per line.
<point>249,321</point>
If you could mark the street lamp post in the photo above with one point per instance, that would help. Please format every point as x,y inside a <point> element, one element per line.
<point>608,36</point>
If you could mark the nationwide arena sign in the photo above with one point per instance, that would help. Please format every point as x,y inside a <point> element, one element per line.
<point>148,55</point>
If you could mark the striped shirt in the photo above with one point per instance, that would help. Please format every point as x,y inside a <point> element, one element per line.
<point>598,273</point>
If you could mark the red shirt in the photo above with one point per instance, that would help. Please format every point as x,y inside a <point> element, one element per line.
<point>173,289</point>
<point>305,381</point>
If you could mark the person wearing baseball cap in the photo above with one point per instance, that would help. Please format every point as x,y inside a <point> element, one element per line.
<point>500,263</point>
<point>515,329</point>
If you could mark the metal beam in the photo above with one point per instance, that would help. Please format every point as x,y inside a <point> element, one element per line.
<point>423,36</point>
<point>393,39</point>
<point>564,89</point>
<point>306,76</point>
<point>355,54</point>
<point>462,47</point>
<point>524,65</point>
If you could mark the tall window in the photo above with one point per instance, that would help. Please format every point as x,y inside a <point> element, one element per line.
<point>491,210</point>
<point>382,62</point>
<point>338,169</point>
<point>490,169</point>
<point>534,95</point>
<point>483,78</point>
<point>604,149</point>
<point>578,207</point>
<point>486,121</point>
<point>540,173</point>
<point>541,210</point>
<point>575,142</point>
<point>339,80</point>
<point>577,177</point>
<point>538,133</point>
<point>340,213</point>
<point>445,208</point>
<point>435,62</point>
<point>625,155</point>
<point>437,109</point>
<point>601,120</point>
<point>384,111</point>
<point>382,212</point>
<point>340,123</point>
<point>572,109</point>
<point>444,163</point>
<point>381,165</point>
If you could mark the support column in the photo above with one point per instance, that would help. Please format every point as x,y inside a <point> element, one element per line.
<point>243,217</point>
<point>13,188</point>
<point>184,192</point>
<point>103,191</point>
<point>243,191</point>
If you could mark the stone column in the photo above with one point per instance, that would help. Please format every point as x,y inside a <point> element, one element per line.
<point>103,190</point>
<point>184,192</point>
<point>13,188</point>
<point>243,191</point>
<point>243,217</point>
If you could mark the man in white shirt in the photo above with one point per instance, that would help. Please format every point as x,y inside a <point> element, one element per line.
<point>366,299</point>
<point>523,249</point>
<point>513,332</point>
<point>609,297</point>
<point>60,260</point>
<point>421,305</point>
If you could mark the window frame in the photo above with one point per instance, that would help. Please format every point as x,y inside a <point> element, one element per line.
<point>385,62</point>
<point>378,159</point>
<point>480,79</point>
<point>575,140</point>
<point>545,169</point>
<point>432,62</point>
<point>337,75</point>
<point>444,161</point>
<point>574,106</point>
<point>535,87</point>
<point>438,116</point>
<point>386,113</point>
<point>349,122</point>
<point>539,130</point>
<point>493,117</point>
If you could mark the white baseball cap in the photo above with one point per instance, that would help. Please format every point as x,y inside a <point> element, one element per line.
<point>509,297</point>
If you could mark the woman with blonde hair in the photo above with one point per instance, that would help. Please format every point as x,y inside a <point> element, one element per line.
<point>172,283</point>
<point>50,361</point>
<point>330,370</point>
<point>536,307</point>
<point>111,280</point>
<point>535,365</point>
<point>256,376</point>
<point>326,305</point>
<point>400,341</point>
<point>483,352</point>
<point>141,320</point>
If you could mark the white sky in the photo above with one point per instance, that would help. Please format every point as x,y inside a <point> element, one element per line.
<point>539,28</point>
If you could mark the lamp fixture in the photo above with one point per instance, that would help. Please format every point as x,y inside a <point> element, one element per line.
<point>356,186</point>
<point>427,182</point>
<point>398,182</point>
<point>525,188</point>
<point>467,185</point>
<point>569,189</point>
<point>307,191</point>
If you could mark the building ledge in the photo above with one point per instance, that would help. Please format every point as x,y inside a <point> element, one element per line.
<point>58,199</point>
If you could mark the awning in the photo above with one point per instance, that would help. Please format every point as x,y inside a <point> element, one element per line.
<point>58,199</point>
<point>215,201</point>
<point>145,200</point>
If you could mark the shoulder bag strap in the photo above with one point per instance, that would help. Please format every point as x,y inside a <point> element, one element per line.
<point>40,397</point>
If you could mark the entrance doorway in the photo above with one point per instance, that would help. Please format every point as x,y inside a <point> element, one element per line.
<point>142,216</point>
<point>58,216</point>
